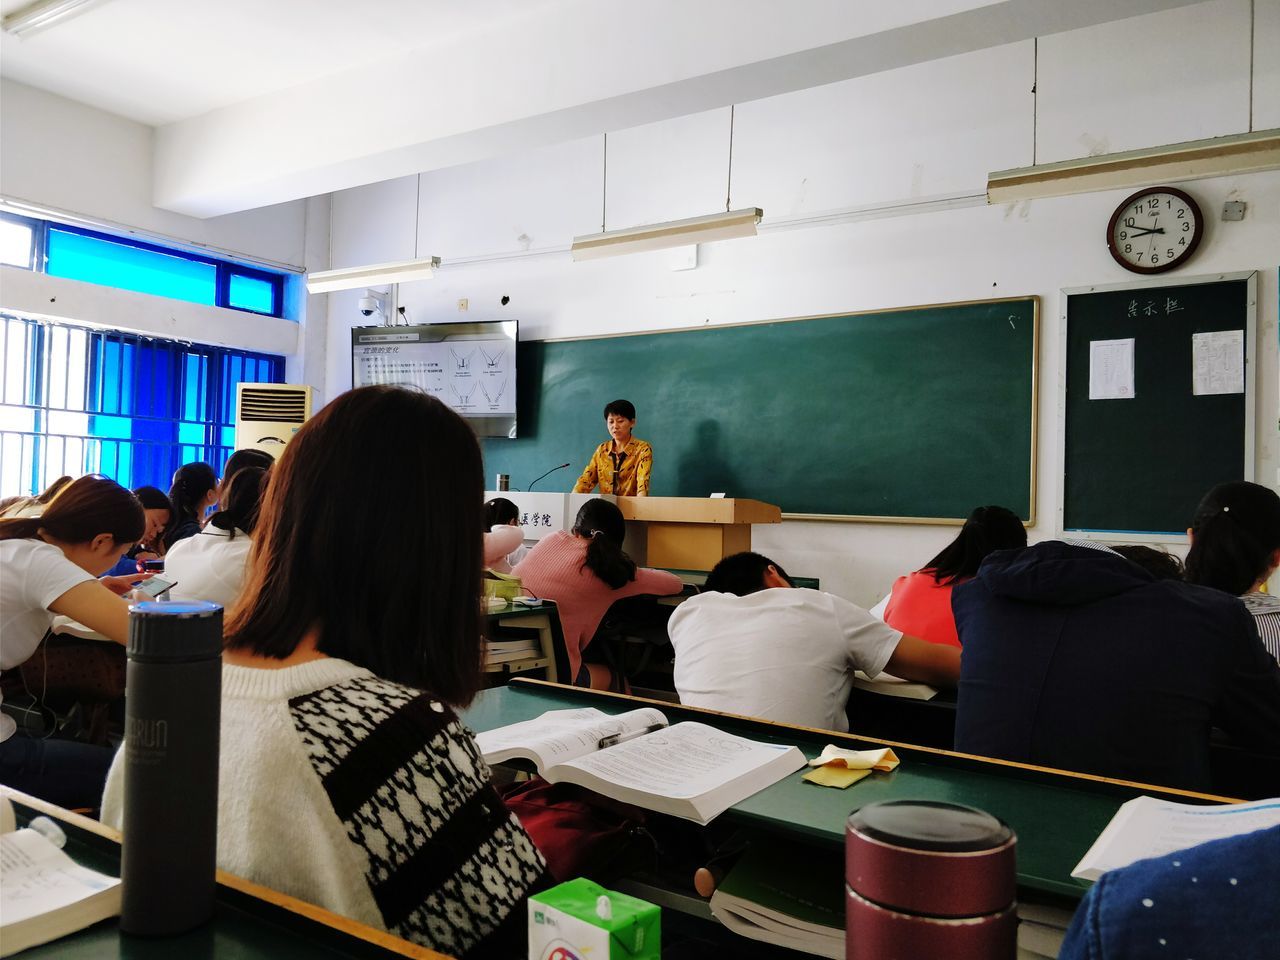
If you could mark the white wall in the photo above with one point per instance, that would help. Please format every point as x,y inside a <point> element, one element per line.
<point>929,131</point>
<point>66,157</point>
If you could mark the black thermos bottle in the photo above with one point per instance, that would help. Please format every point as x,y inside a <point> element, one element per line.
<point>173,699</point>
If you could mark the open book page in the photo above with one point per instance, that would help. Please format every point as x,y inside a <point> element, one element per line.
<point>561,735</point>
<point>686,761</point>
<point>1146,827</point>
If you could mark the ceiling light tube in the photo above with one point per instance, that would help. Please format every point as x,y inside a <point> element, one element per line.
<point>673,233</point>
<point>349,278</point>
<point>1220,156</point>
<point>42,14</point>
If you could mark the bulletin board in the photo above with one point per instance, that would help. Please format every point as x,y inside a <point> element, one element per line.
<point>1156,402</point>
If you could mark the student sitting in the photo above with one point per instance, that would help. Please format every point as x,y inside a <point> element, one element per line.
<point>244,457</point>
<point>1206,901</point>
<point>49,565</point>
<point>211,565</point>
<point>1077,658</point>
<point>501,517</point>
<point>159,511</point>
<point>920,602</point>
<point>194,490</point>
<point>347,780</point>
<point>585,572</point>
<point>787,654</point>
<point>1235,546</point>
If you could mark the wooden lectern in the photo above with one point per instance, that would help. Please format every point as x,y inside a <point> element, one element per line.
<point>691,533</point>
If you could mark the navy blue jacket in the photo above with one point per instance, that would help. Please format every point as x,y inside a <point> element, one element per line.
<point>1214,900</point>
<point>1079,659</point>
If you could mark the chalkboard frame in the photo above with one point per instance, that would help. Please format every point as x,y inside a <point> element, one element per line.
<point>1250,277</point>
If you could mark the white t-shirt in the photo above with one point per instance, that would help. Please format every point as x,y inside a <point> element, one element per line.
<point>780,654</point>
<point>33,574</point>
<point>209,566</point>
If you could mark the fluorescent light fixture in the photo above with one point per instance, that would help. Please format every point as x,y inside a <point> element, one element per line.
<point>348,278</point>
<point>673,233</point>
<point>42,14</point>
<point>1220,156</point>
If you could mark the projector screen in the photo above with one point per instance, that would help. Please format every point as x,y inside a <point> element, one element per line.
<point>469,366</point>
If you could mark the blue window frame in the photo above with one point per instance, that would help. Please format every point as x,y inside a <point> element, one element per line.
<point>75,400</point>
<point>131,264</point>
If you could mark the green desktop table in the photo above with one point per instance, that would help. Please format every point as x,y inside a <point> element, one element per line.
<point>1056,815</point>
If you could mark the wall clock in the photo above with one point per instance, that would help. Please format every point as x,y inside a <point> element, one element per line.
<point>1155,230</point>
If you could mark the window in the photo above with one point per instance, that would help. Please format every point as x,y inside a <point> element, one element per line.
<point>130,264</point>
<point>75,401</point>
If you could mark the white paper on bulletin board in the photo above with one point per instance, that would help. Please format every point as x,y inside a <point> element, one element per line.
<point>1111,369</point>
<point>1217,362</point>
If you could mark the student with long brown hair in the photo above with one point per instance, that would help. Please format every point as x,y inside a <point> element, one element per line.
<point>346,777</point>
<point>49,565</point>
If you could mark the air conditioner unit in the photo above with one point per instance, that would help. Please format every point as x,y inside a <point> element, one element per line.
<point>269,414</point>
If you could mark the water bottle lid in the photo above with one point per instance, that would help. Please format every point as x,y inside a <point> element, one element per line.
<point>930,825</point>
<point>175,630</point>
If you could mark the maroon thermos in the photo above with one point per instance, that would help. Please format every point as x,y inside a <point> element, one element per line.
<point>928,879</point>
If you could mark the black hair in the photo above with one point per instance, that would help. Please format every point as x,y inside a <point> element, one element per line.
<point>601,522</point>
<point>741,574</point>
<point>245,457</point>
<point>499,511</point>
<point>1159,563</point>
<point>987,529</point>
<point>153,498</point>
<point>620,408</point>
<point>191,484</point>
<point>1234,536</point>
<point>241,497</point>
<point>421,627</point>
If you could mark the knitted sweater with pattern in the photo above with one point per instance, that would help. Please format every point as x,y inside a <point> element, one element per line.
<point>368,798</point>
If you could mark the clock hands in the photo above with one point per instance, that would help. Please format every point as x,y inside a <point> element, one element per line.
<point>1143,233</point>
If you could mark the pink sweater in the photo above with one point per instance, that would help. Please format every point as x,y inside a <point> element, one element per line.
<point>553,570</point>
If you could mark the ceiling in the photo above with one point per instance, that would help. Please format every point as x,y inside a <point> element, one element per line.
<point>256,102</point>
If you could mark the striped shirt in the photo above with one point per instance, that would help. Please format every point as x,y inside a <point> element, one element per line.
<point>1265,608</point>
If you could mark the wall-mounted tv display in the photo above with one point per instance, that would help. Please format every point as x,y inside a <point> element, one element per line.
<point>469,366</point>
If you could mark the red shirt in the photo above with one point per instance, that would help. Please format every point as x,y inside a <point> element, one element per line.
<point>919,606</point>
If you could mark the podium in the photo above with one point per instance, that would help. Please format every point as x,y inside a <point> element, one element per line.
<point>691,533</point>
<point>680,533</point>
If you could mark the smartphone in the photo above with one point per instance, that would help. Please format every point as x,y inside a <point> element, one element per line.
<point>151,566</point>
<point>155,586</point>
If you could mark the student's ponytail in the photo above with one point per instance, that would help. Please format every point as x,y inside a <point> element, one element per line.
<point>600,522</point>
<point>1235,534</point>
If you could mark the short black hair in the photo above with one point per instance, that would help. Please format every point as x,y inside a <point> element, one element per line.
<point>620,408</point>
<point>152,498</point>
<point>741,574</point>
<point>498,511</point>
<point>1159,563</point>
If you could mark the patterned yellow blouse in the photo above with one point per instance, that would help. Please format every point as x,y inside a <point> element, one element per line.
<point>633,465</point>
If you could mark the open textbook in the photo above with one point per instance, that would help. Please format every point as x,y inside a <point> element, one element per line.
<point>1146,827</point>
<point>44,894</point>
<point>688,770</point>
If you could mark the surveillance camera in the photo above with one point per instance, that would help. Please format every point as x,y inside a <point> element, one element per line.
<point>368,306</point>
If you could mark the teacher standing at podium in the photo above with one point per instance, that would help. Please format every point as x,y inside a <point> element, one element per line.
<point>620,465</point>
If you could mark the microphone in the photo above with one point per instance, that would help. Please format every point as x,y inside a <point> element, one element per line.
<point>529,489</point>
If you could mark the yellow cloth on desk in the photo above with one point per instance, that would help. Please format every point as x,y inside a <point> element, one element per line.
<point>837,767</point>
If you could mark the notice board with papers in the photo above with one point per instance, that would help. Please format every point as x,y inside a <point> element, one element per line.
<point>1157,402</point>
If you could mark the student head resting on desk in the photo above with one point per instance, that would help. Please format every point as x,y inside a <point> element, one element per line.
<point>49,565</point>
<point>920,603</point>
<point>344,769</point>
<point>503,537</point>
<point>585,572</point>
<point>752,644</point>
<point>1235,547</point>
<point>1077,658</point>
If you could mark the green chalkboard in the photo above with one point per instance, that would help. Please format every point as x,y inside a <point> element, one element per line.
<point>918,413</point>
<point>1140,465</point>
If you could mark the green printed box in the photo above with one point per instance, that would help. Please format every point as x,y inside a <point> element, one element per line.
<point>581,920</point>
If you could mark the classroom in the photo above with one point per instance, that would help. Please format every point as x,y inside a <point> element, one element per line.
<point>904,156</point>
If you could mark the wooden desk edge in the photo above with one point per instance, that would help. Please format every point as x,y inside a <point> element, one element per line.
<point>354,928</point>
<point>518,682</point>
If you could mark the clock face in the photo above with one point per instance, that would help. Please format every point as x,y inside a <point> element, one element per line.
<point>1155,230</point>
